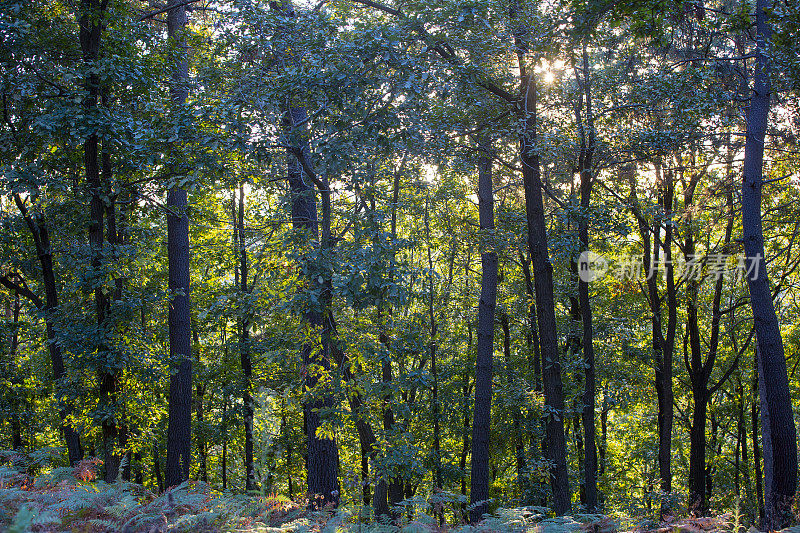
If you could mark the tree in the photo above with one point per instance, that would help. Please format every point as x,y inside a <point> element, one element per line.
<point>180,384</point>
<point>481,419</point>
<point>777,421</point>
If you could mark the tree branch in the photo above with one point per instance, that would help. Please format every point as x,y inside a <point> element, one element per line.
<point>21,288</point>
<point>152,14</point>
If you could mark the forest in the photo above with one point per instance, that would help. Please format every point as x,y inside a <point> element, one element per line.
<point>401,265</point>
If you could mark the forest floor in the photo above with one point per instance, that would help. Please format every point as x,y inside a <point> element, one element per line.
<point>72,500</point>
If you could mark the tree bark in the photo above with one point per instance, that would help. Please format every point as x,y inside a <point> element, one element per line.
<point>545,301</point>
<point>41,238</point>
<point>516,414</point>
<point>586,130</point>
<point>244,346</point>
<point>98,180</point>
<point>777,421</point>
<point>202,451</point>
<point>481,420</point>
<point>754,418</point>
<point>12,314</point>
<point>323,455</point>
<point>179,430</point>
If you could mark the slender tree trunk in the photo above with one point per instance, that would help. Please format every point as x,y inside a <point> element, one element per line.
<point>587,136</point>
<point>179,430</point>
<point>466,394</point>
<point>532,337</point>
<point>777,421</point>
<point>224,459</point>
<point>395,486</point>
<point>244,347</point>
<point>41,238</point>
<point>663,345</point>
<point>323,456</point>
<point>744,465</point>
<point>516,415</point>
<point>157,466</point>
<point>754,410</point>
<point>117,236</point>
<point>201,437</point>
<point>12,313</point>
<point>545,301</point>
<point>481,420</point>
<point>432,347</point>
<point>604,410</point>
<point>97,179</point>
<point>663,374</point>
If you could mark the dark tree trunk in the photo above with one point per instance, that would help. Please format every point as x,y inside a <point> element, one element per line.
<point>585,120</point>
<point>395,488</point>
<point>743,466</point>
<point>97,180</point>
<point>322,453</point>
<point>777,421</point>
<point>663,345</point>
<point>244,345</point>
<point>516,414</point>
<point>554,444</point>
<point>754,410</point>
<point>432,347</point>
<point>157,466</point>
<point>481,420</point>
<point>224,459</point>
<point>117,236</point>
<point>545,301</point>
<point>12,313</point>
<point>663,374</point>
<point>201,434</point>
<point>466,394</point>
<point>697,456</point>
<point>41,238</point>
<point>390,490</point>
<point>179,430</point>
<point>604,410</point>
<point>700,371</point>
<point>532,336</point>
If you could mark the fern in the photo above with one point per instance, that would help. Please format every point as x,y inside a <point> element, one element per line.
<point>22,521</point>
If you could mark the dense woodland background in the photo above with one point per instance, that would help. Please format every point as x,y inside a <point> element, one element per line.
<point>330,250</point>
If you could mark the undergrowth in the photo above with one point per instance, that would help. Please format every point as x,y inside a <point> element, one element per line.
<point>38,498</point>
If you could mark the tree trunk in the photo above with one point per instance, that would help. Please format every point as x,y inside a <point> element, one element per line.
<point>323,456</point>
<point>466,393</point>
<point>12,313</point>
<point>663,345</point>
<point>201,437</point>
<point>532,336</point>
<point>91,28</point>
<point>179,430</point>
<point>777,421</point>
<point>432,347</point>
<point>587,136</point>
<point>516,415</point>
<point>322,453</point>
<point>244,346</point>
<point>545,301</point>
<point>157,466</point>
<point>224,459</point>
<point>481,420</point>
<point>754,410</point>
<point>41,238</point>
